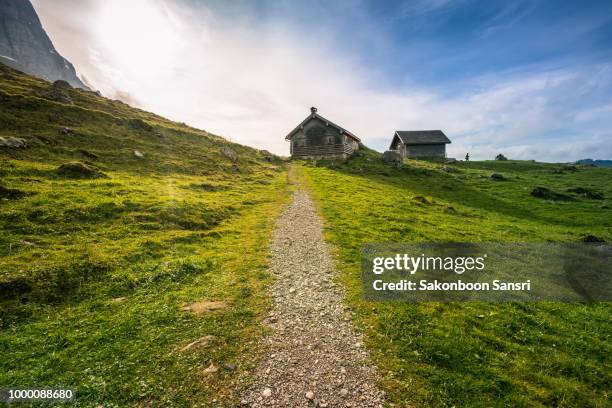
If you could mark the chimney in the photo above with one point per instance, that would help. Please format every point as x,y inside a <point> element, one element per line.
<point>313,110</point>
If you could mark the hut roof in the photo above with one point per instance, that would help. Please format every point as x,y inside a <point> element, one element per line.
<point>419,137</point>
<point>315,115</point>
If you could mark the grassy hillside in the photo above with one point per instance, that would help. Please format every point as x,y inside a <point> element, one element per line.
<point>99,259</point>
<point>472,354</point>
<point>133,255</point>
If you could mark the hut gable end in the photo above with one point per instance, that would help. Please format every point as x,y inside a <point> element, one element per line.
<point>317,137</point>
<point>419,137</point>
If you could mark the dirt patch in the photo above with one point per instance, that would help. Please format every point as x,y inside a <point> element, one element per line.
<point>79,170</point>
<point>202,341</point>
<point>211,369</point>
<point>204,306</point>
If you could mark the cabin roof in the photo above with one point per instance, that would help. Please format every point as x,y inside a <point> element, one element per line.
<point>315,115</point>
<point>420,137</point>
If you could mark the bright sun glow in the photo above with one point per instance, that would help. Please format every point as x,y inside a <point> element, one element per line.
<point>138,38</point>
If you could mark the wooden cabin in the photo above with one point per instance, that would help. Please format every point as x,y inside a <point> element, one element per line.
<point>416,144</point>
<point>320,138</point>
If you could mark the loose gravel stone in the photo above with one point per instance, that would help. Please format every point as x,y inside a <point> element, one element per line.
<point>311,339</point>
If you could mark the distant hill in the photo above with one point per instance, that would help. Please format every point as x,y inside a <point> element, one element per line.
<point>598,163</point>
<point>24,45</point>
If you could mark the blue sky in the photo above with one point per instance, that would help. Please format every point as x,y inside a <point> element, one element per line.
<point>443,43</point>
<point>457,41</point>
<point>531,79</point>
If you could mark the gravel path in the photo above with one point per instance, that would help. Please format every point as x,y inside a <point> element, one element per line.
<point>314,358</point>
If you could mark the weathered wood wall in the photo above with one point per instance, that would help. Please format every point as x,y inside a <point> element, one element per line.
<point>318,140</point>
<point>430,150</point>
<point>399,146</point>
<point>335,150</point>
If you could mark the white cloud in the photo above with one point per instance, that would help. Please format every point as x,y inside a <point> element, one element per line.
<point>416,8</point>
<point>254,82</point>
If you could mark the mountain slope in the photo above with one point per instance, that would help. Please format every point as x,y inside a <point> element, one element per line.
<point>25,45</point>
<point>118,228</point>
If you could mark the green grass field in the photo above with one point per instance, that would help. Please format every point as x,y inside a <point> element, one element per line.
<point>96,268</point>
<point>471,354</point>
<point>94,272</point>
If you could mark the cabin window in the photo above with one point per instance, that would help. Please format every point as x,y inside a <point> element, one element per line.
<point>329,140</point>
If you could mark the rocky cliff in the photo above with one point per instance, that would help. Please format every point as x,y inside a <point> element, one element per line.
<point>24,44</point>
